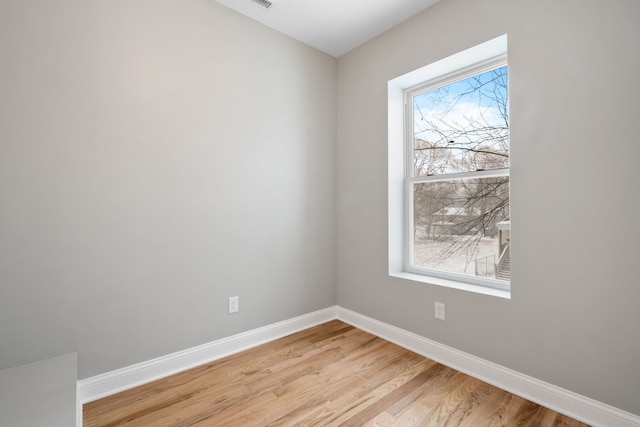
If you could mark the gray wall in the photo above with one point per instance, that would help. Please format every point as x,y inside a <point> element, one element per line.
<point>157,157</point>
<point>573,317</point>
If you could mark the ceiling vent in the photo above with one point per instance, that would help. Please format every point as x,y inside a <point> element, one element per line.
<point>266,4</point>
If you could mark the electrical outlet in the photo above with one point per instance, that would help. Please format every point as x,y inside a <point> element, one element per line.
<point>439,310</point>
<point>233,304</point>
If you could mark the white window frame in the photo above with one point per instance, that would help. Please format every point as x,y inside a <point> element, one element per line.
<point>476,60</point>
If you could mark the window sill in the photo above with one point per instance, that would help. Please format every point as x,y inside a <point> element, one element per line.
<point>452,284</point>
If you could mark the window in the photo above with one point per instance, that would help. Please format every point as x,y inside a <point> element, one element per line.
<point>455,184</point>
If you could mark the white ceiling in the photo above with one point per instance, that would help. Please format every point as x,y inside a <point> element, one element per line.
<point>332,26</point>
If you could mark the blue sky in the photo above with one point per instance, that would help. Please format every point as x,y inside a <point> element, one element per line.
<point>456,106</point>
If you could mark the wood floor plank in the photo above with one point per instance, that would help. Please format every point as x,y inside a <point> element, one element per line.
<point>376,403</point>
<point>384,419</point>
<point>329,375</point>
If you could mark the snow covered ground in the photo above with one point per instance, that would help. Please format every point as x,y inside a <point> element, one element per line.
<point>456,254</point>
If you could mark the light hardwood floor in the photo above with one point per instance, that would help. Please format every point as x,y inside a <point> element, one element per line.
<point>328,375</point>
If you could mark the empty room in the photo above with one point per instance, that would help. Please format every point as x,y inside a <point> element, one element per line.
<point>319,213</point>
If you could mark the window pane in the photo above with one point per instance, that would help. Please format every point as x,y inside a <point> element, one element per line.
<point>463,126</point>
<point>462,226</point>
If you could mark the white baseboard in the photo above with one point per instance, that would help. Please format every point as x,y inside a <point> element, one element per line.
<point>566,402</point>
<point>548,395</point>
<point>103,385</point>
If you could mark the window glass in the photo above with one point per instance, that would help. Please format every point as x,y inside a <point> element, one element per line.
<point>460,225</point>
<point>458,182</point>
<point>462,126</point>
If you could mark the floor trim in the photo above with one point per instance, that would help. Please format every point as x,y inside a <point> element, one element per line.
<point>581,408</point>
<point>113,382</point>
<point>564,401</point>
